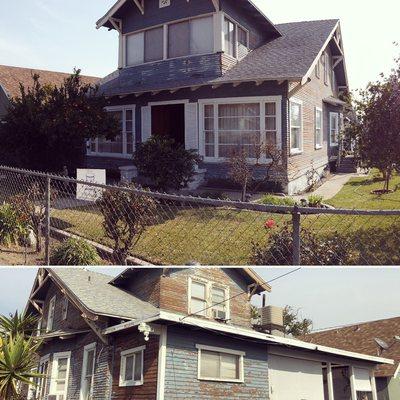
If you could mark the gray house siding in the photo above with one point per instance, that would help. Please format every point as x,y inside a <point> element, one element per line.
<point>133,20</point>
<point>181,379</point>
<point>4,103</point>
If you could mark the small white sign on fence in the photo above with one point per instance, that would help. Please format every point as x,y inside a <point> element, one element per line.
<point>86,192</point>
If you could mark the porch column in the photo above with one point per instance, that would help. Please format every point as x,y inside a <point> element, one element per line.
<point>353,383</point>
<point>331,395</point>
<point>373,385</point>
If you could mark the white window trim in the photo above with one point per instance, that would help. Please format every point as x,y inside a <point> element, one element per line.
<point>296,151</point>
<point>52,309</point>
<point>86,349</point>
<point>317,145</point>
<point>209,285</point>
<point>53,383</point>
<point>239,100</point>
<point>124,154</point>
<point>237,25</point>
<point>137,350</point>
<point>65,307</point>
<point>336,115</point>
<point>43,381</point>
<point>165,40</point>
<point>241,355</point>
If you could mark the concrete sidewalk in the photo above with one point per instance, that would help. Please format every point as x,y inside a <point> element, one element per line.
<point>331,187</point>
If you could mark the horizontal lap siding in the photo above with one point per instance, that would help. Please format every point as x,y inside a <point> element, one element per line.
<point>174,292</point>
<point>148,391</point>
<point>181,381</point>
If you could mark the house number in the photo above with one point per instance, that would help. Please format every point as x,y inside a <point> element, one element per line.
<point>165,3</point>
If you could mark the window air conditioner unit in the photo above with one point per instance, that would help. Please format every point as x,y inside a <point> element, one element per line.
<point>219,314</point>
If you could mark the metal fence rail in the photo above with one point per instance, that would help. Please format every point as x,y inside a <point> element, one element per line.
<point>171,229</point>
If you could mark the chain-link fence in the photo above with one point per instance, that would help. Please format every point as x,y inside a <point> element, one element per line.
<point>133,226</point>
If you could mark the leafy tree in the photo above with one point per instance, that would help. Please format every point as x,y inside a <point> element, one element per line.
<point>17,324</point>
<point>295,325</point>
<point>166,163</point>
<point>46,126</point>
<point>377,127</point>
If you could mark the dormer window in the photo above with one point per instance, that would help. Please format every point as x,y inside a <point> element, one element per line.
<point>208,299</point>
<point>230,37</point>
<point>236,39</point>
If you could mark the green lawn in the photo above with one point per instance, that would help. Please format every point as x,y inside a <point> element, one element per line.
<point>224,237</point>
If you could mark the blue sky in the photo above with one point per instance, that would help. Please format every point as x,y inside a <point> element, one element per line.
<point>331,297</point>
<point>60,35</point>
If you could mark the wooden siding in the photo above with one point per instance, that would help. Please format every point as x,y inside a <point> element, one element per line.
<point>181,380</point>
<point>174,291</point>
<point>147,391</point>
<point>4,103</point>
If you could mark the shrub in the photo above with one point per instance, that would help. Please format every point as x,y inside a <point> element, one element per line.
<point>277,201</point>
<point>126,216</point>
<point>315,250</point>
<point>166,163</point>
<point>315,201</point>
<point>12,228</point>
<point>74,252</point>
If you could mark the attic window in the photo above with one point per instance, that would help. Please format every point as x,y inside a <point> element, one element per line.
<point>64,312</point>
<point>50,315</point>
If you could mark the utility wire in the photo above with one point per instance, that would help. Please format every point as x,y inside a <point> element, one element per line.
<point>240,294</point>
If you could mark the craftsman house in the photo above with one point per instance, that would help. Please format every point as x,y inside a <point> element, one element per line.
<point>218,76</point>
<point>12,77</point>
<point>168,333</point>
<point>380,338</point>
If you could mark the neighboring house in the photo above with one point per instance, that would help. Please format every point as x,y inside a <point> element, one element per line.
<point>169,333</point>
<point>380,338</point>
<point>217,76</point>
<point>12,77</point>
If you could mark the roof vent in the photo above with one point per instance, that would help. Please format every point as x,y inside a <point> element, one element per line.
<point>272,320</point>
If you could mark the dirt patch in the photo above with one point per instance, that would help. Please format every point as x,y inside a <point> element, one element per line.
<point>17,255</point>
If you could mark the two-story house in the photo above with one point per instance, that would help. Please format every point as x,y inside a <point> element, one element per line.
<point>170,333</point>
<point>218,76</point>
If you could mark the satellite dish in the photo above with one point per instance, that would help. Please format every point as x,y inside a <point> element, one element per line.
<point>382,344</point>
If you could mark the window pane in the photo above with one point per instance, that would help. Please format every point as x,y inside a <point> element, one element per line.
<point>209,111</point>
<point>62,368</point>
<point>60,386</point>
<point>90,363</point>
<point>198,290</point>
<point>129,360</point>
<point>138,367</point>
<point>229,32</point>
<point>218,295</point>
<point>209,142</point>
<point>198,307</point>
<point>294,137</point>
<point>295,114</point>
<point>242,43</point>
<point>154,44</point>
<point>178,39</point>
<point>135,49</point>
<point>202,35</point>
<point>229,366</point>
<point>209,364</point>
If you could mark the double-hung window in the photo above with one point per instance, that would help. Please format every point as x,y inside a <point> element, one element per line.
<point>131,370</point>
<point>296,126</point>
<point>232,126</point>
<point>123,145</point>
<point>318,128</point>
<point>218,364</point>
<point>59,375</point>
<point>50,314</point>
<point>334,128</point>
<point>88,368</point>
<point>208,299</point>
<point>229,37</point>
<point>43,370</point>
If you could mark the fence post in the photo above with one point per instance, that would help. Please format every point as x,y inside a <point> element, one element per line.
<point>296,221</point>
<point>47,219</point>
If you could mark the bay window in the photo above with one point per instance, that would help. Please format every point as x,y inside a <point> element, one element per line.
<point>233,125</point>
<point>334,128</point>
<point>318,128</point>
<point>131,371</point>
<point>123,145</point>
<point>218,364</point>
<point>296,126</point>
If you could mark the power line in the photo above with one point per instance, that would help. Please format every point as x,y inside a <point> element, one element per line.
<point>240,294</point>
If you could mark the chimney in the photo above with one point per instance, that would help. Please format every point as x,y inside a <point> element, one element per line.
<point>272,320</point>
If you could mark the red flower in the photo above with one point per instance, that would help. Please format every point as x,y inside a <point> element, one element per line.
<point>269,224</point>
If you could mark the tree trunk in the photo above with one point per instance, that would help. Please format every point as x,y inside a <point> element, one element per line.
<point>244,191</point>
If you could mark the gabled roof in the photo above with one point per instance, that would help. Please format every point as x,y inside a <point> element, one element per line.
<point>289,57</point>
<point>92,293</point>
<point>361,338</point>
<point>248,274</point>
<point>11,77</point>
<point>248,5</point>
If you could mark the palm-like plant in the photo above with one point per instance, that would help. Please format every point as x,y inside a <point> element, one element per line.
<point>18,349</point>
